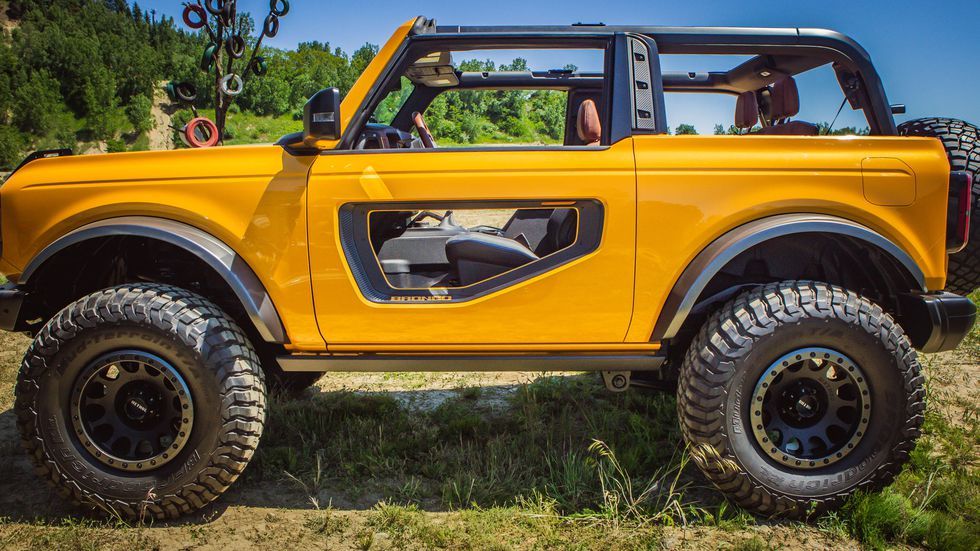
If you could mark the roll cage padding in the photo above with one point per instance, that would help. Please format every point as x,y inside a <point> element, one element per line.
<point>706,265</point>
<point>220,257</point>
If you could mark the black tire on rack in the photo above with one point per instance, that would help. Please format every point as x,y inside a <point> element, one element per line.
<point>962,142</point>
<point>142,400</point>
<point>795,395</point>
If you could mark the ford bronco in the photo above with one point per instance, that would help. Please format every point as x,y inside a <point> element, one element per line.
<point>781,277</point>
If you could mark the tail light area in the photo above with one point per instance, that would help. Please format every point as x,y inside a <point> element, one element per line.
<point>958,214</point>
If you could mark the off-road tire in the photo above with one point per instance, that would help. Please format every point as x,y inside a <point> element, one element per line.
<point>962,143</point>
<point>211,353</point>
<point>739,343</point>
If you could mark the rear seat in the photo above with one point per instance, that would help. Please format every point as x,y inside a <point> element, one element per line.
<point>785,103</point>
<point>746,111</point>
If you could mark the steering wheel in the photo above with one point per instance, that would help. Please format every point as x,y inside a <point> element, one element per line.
<point>423,129</point>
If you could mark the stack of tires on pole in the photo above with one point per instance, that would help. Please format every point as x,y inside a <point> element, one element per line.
<point>962,142</point>
<point>227,47</point>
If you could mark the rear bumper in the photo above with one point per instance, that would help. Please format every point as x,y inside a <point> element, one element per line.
<point>11,301</point>
<point>937,322</point>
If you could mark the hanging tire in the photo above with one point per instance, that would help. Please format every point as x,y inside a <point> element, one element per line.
<point>271,26</point>
<point>208,57</point>
<point>962,143</point>
<point>235,46</point>
<point>185,92</point>
<point>796,395</point>
<point>144,401</point>
<point>194,16</point>
<point>200,132</point>
<point>215,7</point>
<point>259,66</point>
<point>231,85</point>
<point>279,8</point>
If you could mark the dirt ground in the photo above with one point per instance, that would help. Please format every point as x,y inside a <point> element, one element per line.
<point>162,135</point>
<point>277,514</point>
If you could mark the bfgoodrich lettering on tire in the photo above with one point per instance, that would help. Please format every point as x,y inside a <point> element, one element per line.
<point>141,400</point>
<point>795,395</point>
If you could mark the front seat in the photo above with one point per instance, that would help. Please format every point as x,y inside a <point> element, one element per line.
<point>587,123</point>
<point>785,103</point>
<point>476,256</point>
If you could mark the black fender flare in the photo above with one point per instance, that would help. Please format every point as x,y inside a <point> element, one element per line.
<point>241,279</point>
<point>689,286</point>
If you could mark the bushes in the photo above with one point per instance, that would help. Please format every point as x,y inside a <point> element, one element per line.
<point>36,103</point>
<point>11,145</point>
<point>139,114</point>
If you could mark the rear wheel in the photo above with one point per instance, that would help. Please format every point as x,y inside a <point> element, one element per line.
<point>795,395</point>
<point>141,400</point>
<point>962,143</point>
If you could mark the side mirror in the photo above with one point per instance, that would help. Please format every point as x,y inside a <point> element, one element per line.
<point>321,117</point>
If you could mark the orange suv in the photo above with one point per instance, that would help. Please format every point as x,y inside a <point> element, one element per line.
<point>783,278</point>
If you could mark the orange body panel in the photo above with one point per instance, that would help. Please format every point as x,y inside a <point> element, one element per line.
<point>252,198</point>
<point>692,189</point>
<point>586,301</point>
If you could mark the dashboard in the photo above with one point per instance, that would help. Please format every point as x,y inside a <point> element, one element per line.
<point>382,136</point>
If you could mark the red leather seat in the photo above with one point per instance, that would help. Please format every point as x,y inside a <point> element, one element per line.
<point>785,103</point>
<point>746,111</point>
<point>587,123</point>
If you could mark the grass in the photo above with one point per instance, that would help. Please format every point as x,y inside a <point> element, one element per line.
<point>246,128</point>
<point>557,463</point>
<point>565,449</point>
<point>935,501</point>
<point>460,455</point>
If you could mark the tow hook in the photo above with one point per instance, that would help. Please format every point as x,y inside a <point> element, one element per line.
<point>616,381</point>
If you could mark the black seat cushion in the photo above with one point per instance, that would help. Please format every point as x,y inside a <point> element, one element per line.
<point>478,256</point>
<point>481,247</point>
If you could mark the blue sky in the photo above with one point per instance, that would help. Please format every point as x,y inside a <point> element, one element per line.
<point>924,50</point>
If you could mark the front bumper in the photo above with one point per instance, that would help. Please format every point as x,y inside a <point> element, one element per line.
<point>936,322</point>
<point>11,302</point>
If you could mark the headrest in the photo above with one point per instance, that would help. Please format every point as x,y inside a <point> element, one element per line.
<point>746,110</point>
<point>785,99</point>
<point>588,124</point>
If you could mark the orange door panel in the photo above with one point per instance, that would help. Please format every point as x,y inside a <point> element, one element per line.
<point>587,299</point>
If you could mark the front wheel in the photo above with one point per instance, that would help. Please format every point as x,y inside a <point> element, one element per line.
<point>141,401</point>
<point>795,395</point>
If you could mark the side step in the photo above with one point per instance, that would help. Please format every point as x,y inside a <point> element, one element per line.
<point>452,362</point>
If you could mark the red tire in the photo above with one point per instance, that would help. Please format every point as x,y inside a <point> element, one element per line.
<point>208,133</point>
<point>202,16</point>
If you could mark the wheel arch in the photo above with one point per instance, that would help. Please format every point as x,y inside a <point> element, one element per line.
<point>694,287</point>
<point>221,259</point>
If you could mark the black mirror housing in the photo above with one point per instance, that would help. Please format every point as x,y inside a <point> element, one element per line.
<point>321,117</point>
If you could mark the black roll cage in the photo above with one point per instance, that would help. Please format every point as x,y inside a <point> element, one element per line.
<point>419,45</point>
<point>777,52</point>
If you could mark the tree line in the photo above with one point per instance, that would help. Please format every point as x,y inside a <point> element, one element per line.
<point>75,71</point>
<point>86,70</point>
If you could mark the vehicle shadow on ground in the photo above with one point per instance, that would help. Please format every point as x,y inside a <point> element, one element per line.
<point>439,449</point>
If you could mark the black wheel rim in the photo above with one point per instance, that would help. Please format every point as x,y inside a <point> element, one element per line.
<point>132,410</point>
<point>810,408</point>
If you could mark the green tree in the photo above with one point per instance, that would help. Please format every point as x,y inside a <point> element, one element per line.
<point>100,102</point>
<point>139,113</point>
<point>685,129</point>
<point>11,147</point>
<point>36,103</point>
